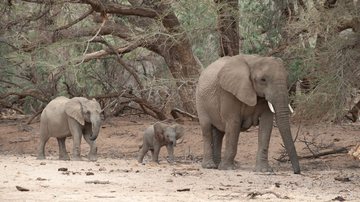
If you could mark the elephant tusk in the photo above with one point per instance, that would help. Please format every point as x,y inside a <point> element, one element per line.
<point>291,109</point>
<point>271,107</point>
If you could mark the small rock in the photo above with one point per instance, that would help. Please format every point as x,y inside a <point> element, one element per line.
<point>40,179</point>
<point>63,169</point>
<point>181,190</point>
<point>338,198</point>
<point>42,163</point>
<point>277,184</point>
<point>169,180</point>
<point>102,169</point>
<point>89,173</point>
<point>342,179</point>
<point>22,188</point>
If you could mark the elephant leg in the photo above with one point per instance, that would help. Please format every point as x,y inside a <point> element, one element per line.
<point>217,136</point>
<point>265,128</point>
<point>208,159</point>
<point>76,132</point>
<point>170,150</point>
<point>155,155</point>
<point>232,130</point>
<point>41,152</point>
<point>142,152</point>
<point>63,155</point>
<point>92,156</point>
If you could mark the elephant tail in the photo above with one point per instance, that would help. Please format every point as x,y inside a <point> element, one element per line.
<point>44,126</point>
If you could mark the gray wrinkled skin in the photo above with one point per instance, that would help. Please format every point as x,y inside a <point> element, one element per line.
<point>157,136</point>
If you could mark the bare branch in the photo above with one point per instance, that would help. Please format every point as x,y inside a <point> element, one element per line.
<point>32,93</point>
<point>120,60</point>
<point>116,8</point>
<point>83,16</point>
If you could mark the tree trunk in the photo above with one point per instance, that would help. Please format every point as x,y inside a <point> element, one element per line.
<point>179,57</point>
<point>228,27</point>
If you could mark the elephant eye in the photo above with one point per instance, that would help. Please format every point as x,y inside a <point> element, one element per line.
<point>263,79</point>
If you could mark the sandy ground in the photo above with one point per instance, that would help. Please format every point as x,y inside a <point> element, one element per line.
<point>116,176</point>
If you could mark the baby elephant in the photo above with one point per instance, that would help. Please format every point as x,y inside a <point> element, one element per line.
<point>158,135</point>
<point>77,117</point>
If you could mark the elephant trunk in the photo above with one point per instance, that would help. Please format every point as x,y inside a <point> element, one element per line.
<point>95,126</point>
<point>282,112</point>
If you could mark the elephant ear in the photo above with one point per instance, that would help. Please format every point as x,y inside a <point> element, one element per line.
<point>73,109</point>
<point>179,130</point>
<point>234,77</point>
<point>159,131</point>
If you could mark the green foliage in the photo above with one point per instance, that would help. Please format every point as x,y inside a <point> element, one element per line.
<point>313,49</point>
<point>199,19</point>
<point>259,26</point>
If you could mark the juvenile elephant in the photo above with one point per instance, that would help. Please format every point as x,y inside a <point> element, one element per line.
<point>75,117</point>
<point>235,93</point>
<point>158,135</point>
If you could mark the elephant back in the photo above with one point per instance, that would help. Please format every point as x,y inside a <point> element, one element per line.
<point>208,79</point>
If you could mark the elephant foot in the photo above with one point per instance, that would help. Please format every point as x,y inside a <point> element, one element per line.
<point>92,157</point>
<point>155,161</point>
<point>263,168</point>
<point>40,157</point>
<point>77,158</point>
<point>208,164</point>
<point>64,157</point>
<point>227,166</point>
<point>170,160</point>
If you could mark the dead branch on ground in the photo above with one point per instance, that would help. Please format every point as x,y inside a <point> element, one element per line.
<point>174,113</point>
<point>340,150</point>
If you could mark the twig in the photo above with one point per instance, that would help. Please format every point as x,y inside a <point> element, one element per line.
<point>253,195</point>
<point>19,140</point>
<point>104,196</point>
<point>88,42</point>
<point>97,182</point>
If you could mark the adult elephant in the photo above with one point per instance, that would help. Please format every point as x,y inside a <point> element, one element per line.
<point>235,93</point>
<point>76,117</point>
